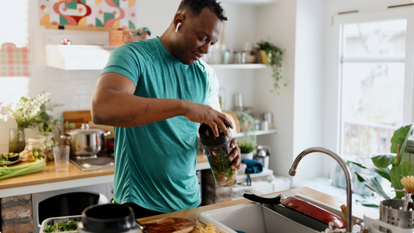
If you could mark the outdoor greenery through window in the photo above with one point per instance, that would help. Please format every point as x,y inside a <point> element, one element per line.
<point>373,56</point>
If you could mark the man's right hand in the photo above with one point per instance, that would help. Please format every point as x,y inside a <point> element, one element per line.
<point>201,113</point>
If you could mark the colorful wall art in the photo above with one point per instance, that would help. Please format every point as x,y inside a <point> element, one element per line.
<point>93,13</point>
<point>15,61</point>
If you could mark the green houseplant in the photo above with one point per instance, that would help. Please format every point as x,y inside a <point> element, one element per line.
<point>246,148</point>
<point>31,112</point>
<point>272,55</point>
<point>389,166</point>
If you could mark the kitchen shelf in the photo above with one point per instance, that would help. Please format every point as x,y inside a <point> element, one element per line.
<point>238,66</point>
<point>257,133</point>
<point>250,2</point>
<point>265,172</point>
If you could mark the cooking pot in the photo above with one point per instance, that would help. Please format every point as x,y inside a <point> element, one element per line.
<point>108,218</point>
<point>85,142</point>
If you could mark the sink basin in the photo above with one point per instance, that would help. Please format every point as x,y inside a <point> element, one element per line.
<point>257,218</point>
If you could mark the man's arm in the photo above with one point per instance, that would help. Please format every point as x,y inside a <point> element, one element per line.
<point>114,103</point>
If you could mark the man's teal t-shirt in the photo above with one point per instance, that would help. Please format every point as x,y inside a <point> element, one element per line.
<point>155,164</point>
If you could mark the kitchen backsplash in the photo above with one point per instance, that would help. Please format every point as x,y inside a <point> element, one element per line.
<point>74,89</point>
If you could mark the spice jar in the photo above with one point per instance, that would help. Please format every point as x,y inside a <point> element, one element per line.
<point>49,143</point>
<point>36,148</point>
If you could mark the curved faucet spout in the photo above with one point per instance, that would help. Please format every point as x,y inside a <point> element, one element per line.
<point>292,172</point>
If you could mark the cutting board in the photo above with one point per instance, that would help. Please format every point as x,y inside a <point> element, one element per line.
<point>169,225</point>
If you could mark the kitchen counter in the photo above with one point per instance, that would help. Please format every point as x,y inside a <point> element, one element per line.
<point>192,214</point>
<point>48,179</point>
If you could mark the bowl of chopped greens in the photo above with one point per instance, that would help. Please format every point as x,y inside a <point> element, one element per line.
<point>67,224</point>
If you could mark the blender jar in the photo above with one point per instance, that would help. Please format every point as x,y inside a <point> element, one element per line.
<point>218,150</point>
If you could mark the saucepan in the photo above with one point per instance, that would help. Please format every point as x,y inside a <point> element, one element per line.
<point>300,211</point>
<point>85,142</point>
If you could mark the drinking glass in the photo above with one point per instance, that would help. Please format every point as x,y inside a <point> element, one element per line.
<point>61,155</point>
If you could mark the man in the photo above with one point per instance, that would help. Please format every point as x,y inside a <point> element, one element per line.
<point>156,93</point>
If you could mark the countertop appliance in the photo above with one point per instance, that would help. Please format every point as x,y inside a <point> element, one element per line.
<point>103,160</point>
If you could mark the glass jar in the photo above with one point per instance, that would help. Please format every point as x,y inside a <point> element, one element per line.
<point>36,148</point>
<point>49,143</point>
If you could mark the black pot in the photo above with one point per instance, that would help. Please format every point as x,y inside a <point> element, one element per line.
<point>108,218</point>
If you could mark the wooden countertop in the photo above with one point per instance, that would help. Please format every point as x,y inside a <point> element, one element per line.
<point>192,214</point>
<point>49,175</point>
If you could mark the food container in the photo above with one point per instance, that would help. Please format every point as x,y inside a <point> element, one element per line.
<point>52,221</point>
<point>49,143</point>
<point>85,142</point>
<point>218,150</point>
<point>36,148</point>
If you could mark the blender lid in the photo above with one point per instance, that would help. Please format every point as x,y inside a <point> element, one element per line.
<point>207,136</point>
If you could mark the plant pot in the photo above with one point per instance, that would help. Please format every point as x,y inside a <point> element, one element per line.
<point>246,155</point>
<point>16,141</point>
<point>264,58</point>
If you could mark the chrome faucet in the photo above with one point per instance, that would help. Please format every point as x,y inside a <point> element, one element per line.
<point>348,178</point>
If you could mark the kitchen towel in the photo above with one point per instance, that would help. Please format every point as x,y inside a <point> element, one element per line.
<point>253,166</point>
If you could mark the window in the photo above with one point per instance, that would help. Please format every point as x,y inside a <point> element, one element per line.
<point>373,72</point>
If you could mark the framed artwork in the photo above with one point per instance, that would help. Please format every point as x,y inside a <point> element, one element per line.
<point>89,13</point>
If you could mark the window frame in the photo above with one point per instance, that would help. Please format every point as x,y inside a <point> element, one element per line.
<point>333,81</point>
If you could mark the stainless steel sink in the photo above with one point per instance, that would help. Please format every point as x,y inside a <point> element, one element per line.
<point>257,218</point>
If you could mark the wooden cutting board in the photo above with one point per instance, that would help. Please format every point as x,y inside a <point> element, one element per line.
<point>169,225</point>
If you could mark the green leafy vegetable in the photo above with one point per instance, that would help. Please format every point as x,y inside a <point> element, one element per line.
<point>7,172</point>
<point>61,226</point>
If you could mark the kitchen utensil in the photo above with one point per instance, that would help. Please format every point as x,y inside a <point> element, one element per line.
<point>108,218</point>
<point>262,155</point>
<point>234,120</point>
<point>300,211</point>
<point>173,225</point>
<point>85,142</point>
<point>61,156</point>
<point>218,150</point>
<point>238,102</point>
<point>391,213</point>
<point>373,224</point>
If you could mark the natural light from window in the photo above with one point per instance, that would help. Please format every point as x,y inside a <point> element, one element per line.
<point>373,56</point>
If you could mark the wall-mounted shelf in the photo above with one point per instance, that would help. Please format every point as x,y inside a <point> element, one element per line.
<point>250,2</point>
<point>238,66</point>
<point>257,133</point>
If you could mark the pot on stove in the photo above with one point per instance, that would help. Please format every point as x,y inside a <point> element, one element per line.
<point>85,142</point>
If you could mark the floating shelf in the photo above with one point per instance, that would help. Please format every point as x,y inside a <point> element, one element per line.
<point>257,133</point>
<point>250,2</point>
<point>238,66</point>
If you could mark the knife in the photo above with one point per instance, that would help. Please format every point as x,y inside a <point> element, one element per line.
<point>142,227</point>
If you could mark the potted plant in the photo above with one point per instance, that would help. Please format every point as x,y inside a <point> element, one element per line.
<point>389,166</point>
<point>272,55</point>
<point>30,112</point>
<point>246,148</point>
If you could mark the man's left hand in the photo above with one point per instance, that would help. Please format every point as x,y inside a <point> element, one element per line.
<point>235,155</point>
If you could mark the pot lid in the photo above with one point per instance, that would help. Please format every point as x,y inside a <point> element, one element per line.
<point>85,130</point>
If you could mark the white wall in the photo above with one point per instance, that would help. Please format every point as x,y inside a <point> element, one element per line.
<point>277,23</point>
<point>309,64</point>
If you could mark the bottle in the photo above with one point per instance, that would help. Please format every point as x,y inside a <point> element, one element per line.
<point>218,150</point>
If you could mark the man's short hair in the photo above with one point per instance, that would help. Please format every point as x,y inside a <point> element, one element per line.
<point>196,6</point>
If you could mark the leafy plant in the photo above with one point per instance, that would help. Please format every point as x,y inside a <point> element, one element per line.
<point>246,146</point>
<point>61,226</point>
<point>32,112</point>
<point>275,61</point>
<point>382,163</point>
